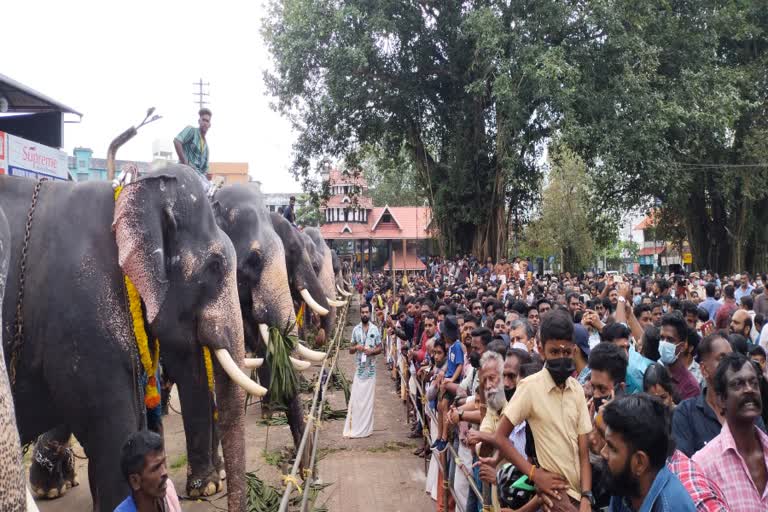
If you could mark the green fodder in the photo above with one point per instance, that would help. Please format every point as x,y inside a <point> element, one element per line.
<point>262,497</point>
<point>283,383</point>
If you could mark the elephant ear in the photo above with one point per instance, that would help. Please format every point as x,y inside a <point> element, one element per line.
<point>143,222</point>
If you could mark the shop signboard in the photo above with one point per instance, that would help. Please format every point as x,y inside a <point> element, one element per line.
<point>33,160</point>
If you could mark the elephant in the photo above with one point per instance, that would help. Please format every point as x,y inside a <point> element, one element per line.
<point>78,353</point>
<point>339,270</point>
<point>264,301</point>
<point>302,277</point>
<point>13,490</point>
<point>322,262</point>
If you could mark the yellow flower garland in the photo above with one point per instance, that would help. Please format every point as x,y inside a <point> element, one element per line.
<point>149,360</point>
<point>209,374</point>
<point>300,316</point>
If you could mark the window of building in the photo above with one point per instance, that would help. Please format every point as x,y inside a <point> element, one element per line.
<point>82,176</point>
<point>81,164</point>
<point>386,218</point>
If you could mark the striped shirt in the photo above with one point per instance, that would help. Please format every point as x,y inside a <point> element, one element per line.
<point>195,148</point>
<point>721,461</point>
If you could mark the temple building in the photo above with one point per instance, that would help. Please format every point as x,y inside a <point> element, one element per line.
<point>370,236</point>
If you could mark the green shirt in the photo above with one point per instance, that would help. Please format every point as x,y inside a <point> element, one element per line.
<point>195,148</point>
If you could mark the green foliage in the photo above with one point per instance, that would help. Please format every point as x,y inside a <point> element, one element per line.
<point>664,100</point>
<point>392,180</point>
<point>283,384</point>
<point>563,228</point>
<point>307,211</point>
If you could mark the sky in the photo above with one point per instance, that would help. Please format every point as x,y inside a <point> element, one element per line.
<point>110,61</point>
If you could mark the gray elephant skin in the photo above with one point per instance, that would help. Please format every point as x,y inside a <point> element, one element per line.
<point>12,487</point>
<point>79,357</point>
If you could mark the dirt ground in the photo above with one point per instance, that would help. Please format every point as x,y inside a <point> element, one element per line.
<point>373,474</point>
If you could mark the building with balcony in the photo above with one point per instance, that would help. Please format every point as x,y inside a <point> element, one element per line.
<point>358,230</point>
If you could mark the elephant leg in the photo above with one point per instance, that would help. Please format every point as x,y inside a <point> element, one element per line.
<point>218,462</point>
<point>197,415</point>
<point>295,420</point>
<point>52,471</point>
<point>102,438</point>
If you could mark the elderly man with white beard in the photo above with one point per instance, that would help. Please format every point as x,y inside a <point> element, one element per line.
<point>493,402</point>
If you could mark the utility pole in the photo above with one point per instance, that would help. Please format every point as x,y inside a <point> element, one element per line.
<point>200,93</point>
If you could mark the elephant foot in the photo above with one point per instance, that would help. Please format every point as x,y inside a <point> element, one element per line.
<point>207,486</point>
<point>52,472</point>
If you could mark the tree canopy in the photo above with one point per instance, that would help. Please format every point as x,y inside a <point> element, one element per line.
<point>664,100</point>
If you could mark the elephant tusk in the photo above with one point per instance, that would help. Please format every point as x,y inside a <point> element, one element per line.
<point>337,303</point>
<point>299,365</point>
<point>31,505</point>
<point>312,303</point>
<point>252,363</point>
<point>236,374</point>
<point>309,354</point>
<point>264,331</point>
<point>343,292</point>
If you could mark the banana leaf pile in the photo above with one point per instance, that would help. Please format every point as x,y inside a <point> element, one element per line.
<point>262,497</point>
<point>283,383</point>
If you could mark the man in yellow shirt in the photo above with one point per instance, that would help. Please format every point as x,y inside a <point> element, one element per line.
<point>553,404</point>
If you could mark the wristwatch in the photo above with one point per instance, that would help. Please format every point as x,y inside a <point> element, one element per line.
<point>622,299</point>
<point>589,496</point>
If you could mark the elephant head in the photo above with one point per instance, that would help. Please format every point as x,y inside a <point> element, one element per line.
<point>13,494</point>
<point>185,269</point>
<point>302,277</point>
<point>262,276</point>
<point>322,262</point>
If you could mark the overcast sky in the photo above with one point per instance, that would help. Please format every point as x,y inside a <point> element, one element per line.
<point>111,61</point>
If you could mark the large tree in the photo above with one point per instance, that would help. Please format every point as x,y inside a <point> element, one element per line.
<point>671,112</point>
<point>464,87</point>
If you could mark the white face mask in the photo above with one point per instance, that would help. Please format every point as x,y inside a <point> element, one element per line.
<point>667,352</point>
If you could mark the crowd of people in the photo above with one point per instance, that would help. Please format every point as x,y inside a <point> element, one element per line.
<point>596,391</point>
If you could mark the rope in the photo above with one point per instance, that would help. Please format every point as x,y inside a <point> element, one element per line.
<point>291,479</point>
<point>318,401</point>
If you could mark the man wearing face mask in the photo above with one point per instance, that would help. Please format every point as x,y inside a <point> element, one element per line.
<point>674,342</point>
<point>561,439</point>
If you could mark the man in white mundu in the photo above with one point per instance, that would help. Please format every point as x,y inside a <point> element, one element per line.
<point>366,344</point>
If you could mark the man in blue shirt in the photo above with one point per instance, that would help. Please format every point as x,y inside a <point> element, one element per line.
<point>449,330</point>
<point>191,145</point>
<point>744,289</point>
<point>637,443</point>
<point>710,304</point>
<point>143,464</point>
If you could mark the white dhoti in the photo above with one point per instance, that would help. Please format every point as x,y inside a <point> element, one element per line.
<point>430,486</point>
<point>359,422</point>
<point>460,483</point>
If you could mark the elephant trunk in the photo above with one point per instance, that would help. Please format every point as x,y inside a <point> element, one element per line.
<point>271,298</point>
<point>221,329</point>
<point>231,404</point>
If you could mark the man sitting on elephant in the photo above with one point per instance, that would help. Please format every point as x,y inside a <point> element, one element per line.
<point>143,464</point>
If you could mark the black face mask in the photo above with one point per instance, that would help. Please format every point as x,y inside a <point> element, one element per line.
<point>560,369</point>
<point>474,359</point>
<point>509,393</point>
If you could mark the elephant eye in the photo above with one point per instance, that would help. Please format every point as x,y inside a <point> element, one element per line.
<point>215,267</point>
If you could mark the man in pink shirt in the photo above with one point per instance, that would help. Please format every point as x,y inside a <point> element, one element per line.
<point>737,459</point>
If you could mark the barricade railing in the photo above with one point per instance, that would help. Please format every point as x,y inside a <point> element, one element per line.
<point>313,420</point>
<point>483,497</point>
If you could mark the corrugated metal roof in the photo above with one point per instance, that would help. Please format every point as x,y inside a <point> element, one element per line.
<point>25,99</point>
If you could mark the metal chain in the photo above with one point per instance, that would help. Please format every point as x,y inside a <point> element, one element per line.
<point>18,323</point>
